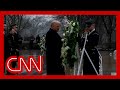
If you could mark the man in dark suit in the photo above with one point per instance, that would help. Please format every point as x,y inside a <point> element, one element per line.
<point>92,42</point>
<point>53,50</point>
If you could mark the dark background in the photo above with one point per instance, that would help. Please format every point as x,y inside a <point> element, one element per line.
<point>59,5</point>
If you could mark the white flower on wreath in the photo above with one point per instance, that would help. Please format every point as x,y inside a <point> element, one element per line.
<point>71,30</point>
<point>73,24</point>
<point>67,47</point>
<point>67,32</point>
<point>65,43</point>
<point>63,52</point>
<point>63,34</point>
<point>62,40</point>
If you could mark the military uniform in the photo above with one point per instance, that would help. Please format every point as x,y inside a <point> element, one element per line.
<point>11,47</point>
<point>92,42</point>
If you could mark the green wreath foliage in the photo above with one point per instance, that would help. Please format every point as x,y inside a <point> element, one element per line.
<point>68,52</point>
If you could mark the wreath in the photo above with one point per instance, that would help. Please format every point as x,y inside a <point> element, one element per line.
<point>68,51</point>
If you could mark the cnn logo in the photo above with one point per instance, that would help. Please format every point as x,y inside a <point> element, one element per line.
<point>28,65</point>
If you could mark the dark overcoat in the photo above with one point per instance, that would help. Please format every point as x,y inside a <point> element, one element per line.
<point>53,53</point>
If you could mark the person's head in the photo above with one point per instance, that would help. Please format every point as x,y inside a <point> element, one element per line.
<point>38,35</point>
<point>13,29</point>
<point>90,25</point>
<point>55,25</point>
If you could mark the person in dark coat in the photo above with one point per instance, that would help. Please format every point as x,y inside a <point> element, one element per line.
<point>92,42</point>
<point>12,44</point>
<point>31,41</point>
<point>53,50</point>
<point>38,39</point>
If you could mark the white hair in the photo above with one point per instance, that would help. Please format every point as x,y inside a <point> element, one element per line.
<point>55,21</point>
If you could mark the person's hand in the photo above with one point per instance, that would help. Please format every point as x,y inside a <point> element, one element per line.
<point>15,31</point>
<point>86,30</point>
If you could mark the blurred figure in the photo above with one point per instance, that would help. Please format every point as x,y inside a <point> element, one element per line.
<point>38,39</point>
<point>31,41</point>
<point>92,42</point>
<point>53,50</point>
<point>12,44</point>
<point>20,42</point>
